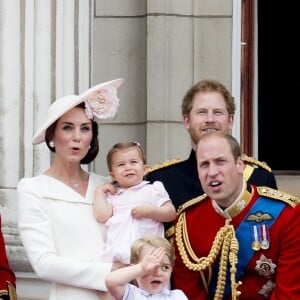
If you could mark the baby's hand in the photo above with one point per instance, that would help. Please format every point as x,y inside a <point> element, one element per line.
<point>107,188</point>
<point>142,211</point>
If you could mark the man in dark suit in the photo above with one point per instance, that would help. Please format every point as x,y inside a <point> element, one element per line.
<point>206,106</point>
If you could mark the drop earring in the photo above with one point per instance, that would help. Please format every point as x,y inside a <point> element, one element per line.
<point>51,144</point>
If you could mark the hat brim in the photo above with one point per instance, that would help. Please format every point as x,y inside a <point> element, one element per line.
<point>64,104</point>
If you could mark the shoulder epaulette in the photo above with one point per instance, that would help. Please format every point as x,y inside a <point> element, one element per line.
<point>170,232</point>
<point>190,203</point>
<point>279,195</point>
<point>163,165</point>
<point>256,162</point>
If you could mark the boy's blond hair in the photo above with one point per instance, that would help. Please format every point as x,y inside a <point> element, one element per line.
<point>153,241</point>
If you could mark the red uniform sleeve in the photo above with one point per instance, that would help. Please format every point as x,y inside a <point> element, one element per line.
<point>288,270</point>
<point>6,274</point>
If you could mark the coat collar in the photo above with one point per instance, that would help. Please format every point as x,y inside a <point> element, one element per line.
<point>54,189</point>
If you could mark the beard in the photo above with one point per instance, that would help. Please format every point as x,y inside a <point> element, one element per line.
<point>196,133</point>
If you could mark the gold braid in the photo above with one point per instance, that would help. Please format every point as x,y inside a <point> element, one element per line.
<point>224,242</point>
<point>233,259</point>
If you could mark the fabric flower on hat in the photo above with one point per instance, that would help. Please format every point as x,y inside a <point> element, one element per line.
<point>102,104</point>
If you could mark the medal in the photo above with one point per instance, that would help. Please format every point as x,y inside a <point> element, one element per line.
<point>265,267</point>
<point>255,243</point>
<point>267,289</point>
<point>265,243</point>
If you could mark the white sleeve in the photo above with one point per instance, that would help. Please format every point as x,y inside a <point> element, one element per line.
<point>160,193</point>
<point>178,295</point>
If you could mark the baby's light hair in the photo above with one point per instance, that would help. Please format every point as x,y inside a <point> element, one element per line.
<point>123,146</point>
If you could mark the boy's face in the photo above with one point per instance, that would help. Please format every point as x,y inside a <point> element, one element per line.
<point>157,281</point>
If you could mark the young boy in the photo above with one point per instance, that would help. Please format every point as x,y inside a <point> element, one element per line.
<point>152,259</point>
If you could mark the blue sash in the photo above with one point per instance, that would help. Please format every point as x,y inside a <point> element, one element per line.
<point>244,236</point>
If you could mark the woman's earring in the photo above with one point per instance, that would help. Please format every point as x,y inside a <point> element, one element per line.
<point>51,144</point>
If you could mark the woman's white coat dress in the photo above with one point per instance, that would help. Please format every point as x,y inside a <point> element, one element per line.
<point>61,236</point>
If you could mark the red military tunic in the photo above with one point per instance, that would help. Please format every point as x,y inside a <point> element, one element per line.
<point>282,257</point>
<point>7,276</point>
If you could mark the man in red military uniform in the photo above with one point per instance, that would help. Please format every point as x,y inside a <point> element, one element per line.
<point>238,241</point>
<point>7,276</point>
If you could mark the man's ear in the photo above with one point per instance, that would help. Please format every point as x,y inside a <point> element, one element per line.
<point>186,121</point>
<point>240,164</point>
<point>231,121</point>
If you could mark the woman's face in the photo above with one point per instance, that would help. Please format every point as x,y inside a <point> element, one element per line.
<point>73,135</point>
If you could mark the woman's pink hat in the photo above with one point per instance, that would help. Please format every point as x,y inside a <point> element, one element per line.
<point>101,102</point>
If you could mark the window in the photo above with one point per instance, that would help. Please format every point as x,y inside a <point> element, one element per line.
<point>278,83</point>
